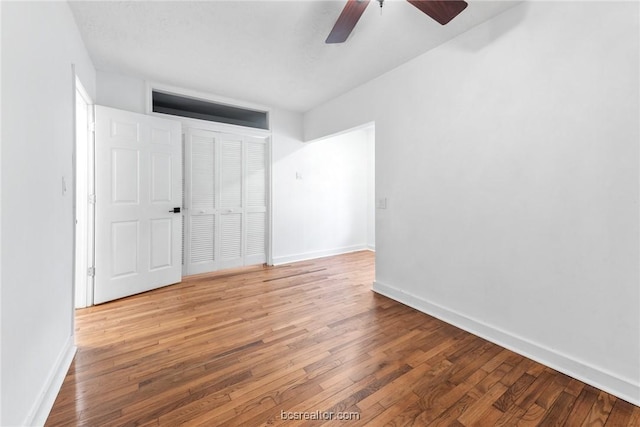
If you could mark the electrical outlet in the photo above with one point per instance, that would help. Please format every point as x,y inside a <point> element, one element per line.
<point>381,203</point>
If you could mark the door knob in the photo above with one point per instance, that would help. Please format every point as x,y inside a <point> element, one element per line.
<point>175,210</point>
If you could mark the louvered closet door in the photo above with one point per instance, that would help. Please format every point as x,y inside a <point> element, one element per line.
<point>200,215</point>
<point>231,206</point>
<point>255,201</point>
<point>226,211</point>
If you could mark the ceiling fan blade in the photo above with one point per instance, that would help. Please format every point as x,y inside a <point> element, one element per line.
<point>441,11</point>
<point>347,20</point>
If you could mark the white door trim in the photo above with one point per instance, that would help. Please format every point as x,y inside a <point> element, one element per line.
<point>83,180</point>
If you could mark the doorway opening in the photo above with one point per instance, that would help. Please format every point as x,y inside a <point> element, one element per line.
<point>84,198</point>
<point>334,195</point>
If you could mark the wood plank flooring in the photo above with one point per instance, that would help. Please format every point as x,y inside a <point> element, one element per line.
<point>268,345</point>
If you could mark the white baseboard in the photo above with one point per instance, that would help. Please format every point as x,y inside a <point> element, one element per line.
<point>42,406</point>
<point>317,254</point>
<point>372,248</point>
<point>597,377</point>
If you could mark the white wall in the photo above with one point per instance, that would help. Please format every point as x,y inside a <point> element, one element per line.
<point>509,157</point>
<point>322,198</point>
<point>328,211</point>
<point>40,41</point>
<point>119,91</point>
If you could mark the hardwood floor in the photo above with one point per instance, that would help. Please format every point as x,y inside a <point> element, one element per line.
<point>253,347</point>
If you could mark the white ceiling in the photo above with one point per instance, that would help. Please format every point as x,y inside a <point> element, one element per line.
<point>267,52</point>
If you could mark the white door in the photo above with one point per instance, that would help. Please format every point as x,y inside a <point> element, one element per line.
<point>255,201</point>
<point>200,202</point>
<point>231,210</point>
<point>226,201</point>
<point>138,200</point>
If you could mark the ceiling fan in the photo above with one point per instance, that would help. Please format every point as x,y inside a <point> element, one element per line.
<point>441,11</point>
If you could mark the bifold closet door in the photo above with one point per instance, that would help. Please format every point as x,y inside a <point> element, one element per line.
<point>231,212</point>
<point>225,219</point>
<point>200,199</point>
<point>255,202</point>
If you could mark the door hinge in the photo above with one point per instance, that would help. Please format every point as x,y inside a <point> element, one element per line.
<point>92,127</point>
<point>92,199</point>
<point>91,272</point>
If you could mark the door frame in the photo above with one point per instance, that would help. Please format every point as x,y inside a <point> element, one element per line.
<point>84,218</point>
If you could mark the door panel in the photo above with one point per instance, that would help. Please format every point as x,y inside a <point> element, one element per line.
<point>203,178</point>
<point>125,241</point>
<point>256,233</point>
<point>231,173</point>
<point>124,130</point>
<point>230,212</point>
<point>138,183</point>
<point>256,196</point>
<point>256,175</point>
<point>161,243</point>
<point>200,149</point>
<point>202,239</point>
<point>161,178</point>
<point>230,240</point>
<point>125,186</point>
